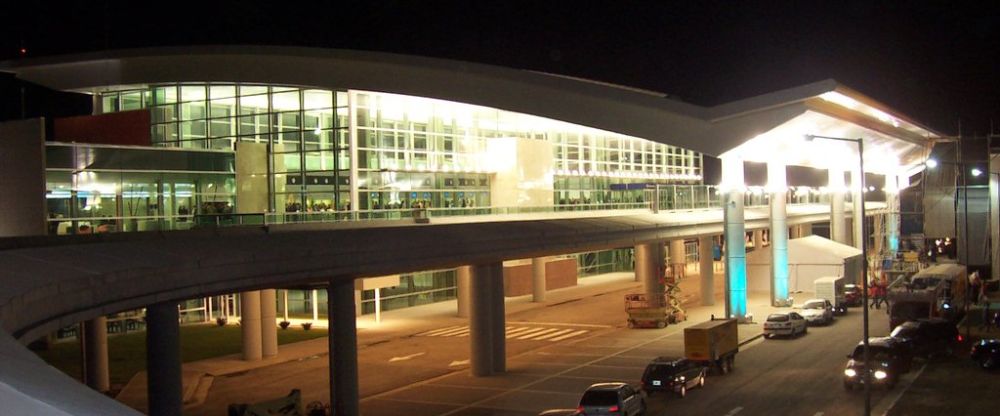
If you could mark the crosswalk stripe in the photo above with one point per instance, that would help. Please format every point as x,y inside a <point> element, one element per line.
<point>570,335</point>
<point>535,333</point>
<point>539,333</point>
<point>529,333</point>
<point>452,332</point>
<point>519,330</point>
<point>554,334</point>
<point>434,332</point>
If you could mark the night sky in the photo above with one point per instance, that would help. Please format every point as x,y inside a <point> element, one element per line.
<point>934,61</point>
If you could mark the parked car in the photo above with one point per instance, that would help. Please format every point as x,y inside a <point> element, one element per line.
<point>786,323</point>
<point>927,337</point>
<point>673,374</point>
<point>611,399</point>
<point>852,295</point>
<point>986,352</point>
<point>559,412</point>
<point>818,311</point>
<point>888,359</point>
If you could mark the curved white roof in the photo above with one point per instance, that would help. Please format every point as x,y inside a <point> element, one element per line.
<point>822,108</point>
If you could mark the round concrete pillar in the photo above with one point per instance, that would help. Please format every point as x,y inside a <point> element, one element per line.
<point>250,325</point>
<point>538,279</point>
<point>268,322</point>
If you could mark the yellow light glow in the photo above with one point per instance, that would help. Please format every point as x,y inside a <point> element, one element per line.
<point>839,99</point>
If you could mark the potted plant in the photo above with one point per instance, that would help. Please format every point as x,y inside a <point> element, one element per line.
<point>284,324</point>
<point>307,325</point>
<point>220,321</point>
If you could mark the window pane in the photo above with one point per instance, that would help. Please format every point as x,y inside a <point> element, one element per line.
<point>193,93</point>
<point>285,101</point>
<point>222,91</point>
<point>317,99</point>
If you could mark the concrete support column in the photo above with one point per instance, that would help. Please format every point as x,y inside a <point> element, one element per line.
<point>706,264</point>
<point>95,354</point>
<point>250,325</point>
<point>343,344</point>
<point>858,217</point>
<point>498,317</point>
<point>268,322</point>
<point>538,279</point>
<point>892,187</point>
<point>678,259</point>
<point>758,239</point>
<point>487,331</point>
<point>734,231</point>
<point>462,280</point>
<point>777,184</point>
<point>838,220</point>
<point>649,266</point>
<point>163,359</point>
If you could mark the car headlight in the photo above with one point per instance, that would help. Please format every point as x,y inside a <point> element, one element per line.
<point>850,372</point>
<point>879,375</point>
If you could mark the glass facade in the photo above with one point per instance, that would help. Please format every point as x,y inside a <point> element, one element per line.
<point>92,188</point>
<point>401,152</point>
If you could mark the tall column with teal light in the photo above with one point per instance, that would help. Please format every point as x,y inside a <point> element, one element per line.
<point>734,230</point>
<point>838,220</point>
<point>892,186</point>
<point>777,186</point>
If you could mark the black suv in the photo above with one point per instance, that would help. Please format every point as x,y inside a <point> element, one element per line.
<point>672,374</point>
<point>887,360</point>
<point>927,337</point>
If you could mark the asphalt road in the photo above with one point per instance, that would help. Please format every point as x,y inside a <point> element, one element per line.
<point>795,376</point>
<point>555,352</point>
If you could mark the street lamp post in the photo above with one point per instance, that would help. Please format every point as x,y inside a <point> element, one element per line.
<point>864,265</point>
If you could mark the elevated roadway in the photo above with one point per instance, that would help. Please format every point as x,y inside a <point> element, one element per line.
<point>52,282</point>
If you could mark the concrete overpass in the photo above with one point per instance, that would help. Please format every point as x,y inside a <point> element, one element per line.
<point>51,282</point>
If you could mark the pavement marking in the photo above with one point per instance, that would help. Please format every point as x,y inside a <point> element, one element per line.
<point>524,329</point>
<point>536,333</point>
<point>561,324</point>
<point>554,334</point>
<point>570,335</point>
<point>735,410</point>
<point>878,408</point>
<point>406,357</point>
<point>458,362</point>
<point>525,334</point>
<point>543,332</point>
<point>435,332</point>
<point>451,332</point>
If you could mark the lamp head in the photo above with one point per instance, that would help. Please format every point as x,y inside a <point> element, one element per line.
<point>931,163</point>
<point>809,137</point>
<point>976,172</point>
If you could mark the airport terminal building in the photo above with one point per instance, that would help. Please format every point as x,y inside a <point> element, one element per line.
<point>207,138</point>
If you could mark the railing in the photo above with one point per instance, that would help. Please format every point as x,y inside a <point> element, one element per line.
<point>95,225</point>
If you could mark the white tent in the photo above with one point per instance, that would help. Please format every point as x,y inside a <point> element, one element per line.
<point>809,258</point>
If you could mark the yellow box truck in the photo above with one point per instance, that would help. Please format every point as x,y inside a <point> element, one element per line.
<point>713,343</point>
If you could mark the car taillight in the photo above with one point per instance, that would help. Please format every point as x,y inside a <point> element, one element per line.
<point>613,409</point>
<point>960,338</point>
<point>579,410</point>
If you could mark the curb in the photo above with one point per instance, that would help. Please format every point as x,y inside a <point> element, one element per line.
<point>751,339</point>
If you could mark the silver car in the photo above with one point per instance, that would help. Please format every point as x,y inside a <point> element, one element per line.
<point>817,312</point>
<point>612,399</point>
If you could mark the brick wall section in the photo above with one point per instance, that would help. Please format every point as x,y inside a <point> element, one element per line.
<point>128,128</point>
<point>559,273</point>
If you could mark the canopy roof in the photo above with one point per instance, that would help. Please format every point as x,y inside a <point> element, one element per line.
<point>768,127</point>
